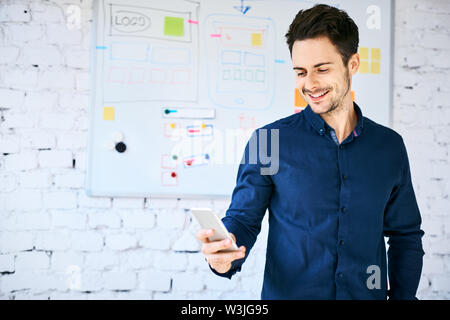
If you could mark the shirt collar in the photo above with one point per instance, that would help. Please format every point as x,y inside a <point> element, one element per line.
<point>320,125</point>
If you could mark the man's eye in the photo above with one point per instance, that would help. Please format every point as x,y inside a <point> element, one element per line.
<point>300,74</point>
<point>323,70</point>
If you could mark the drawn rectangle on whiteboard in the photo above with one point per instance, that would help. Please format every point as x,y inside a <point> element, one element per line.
<point>168,162</point>
<point>199,131</point>
<point>117,75</point>
<point>137,75</point>
<point>172,130</point>
<point>129,51</point>
<point>172,56</point>
<point>168,180</point>
<point>253,60</point>
<point>196,160</point>
<point>231,57</point>
<point>260,76</point>
<point>189,113</point>
<point>136,21</point>
<point>158,75</point>
<point>232,36</point>
<point>181,76</point>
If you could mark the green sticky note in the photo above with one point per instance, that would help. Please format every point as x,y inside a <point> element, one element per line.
<point>173,26</point>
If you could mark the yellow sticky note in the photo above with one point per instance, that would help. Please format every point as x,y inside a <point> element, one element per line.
<point>256,39</point>
<point>108,113</point>
<point>364,67</point>
<point>375,67</point>
<point>173,125</point>
<point>364,53</point>
<point>376,54</point>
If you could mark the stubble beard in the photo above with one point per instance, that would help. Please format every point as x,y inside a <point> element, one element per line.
<point>336,105</point>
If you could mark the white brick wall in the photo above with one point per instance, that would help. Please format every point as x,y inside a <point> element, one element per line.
<point>51,232</point>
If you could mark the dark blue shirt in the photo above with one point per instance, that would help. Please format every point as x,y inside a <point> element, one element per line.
<point>330,206</point>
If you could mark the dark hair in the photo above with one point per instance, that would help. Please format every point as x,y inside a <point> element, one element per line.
<point>324,20</point>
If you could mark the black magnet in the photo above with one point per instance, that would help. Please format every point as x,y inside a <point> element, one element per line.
<point>121,147</point>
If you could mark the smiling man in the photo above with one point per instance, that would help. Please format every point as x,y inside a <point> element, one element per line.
<point>343,184</point>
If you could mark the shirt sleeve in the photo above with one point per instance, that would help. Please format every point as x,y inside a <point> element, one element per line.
<point>402,225</point>
<point>249,202</point>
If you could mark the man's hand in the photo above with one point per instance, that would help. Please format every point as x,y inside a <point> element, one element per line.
<point>219,261</point>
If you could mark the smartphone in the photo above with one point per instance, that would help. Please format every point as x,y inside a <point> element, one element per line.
<point>209,220</point>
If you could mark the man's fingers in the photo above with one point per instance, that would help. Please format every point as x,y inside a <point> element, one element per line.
<point>225,257</point>
<point>213,247</point>
<point>203,235</point>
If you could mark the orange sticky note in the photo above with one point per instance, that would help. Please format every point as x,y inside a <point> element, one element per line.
<point>299,101</point>
<point>353,95</point>
<point>108,113</point>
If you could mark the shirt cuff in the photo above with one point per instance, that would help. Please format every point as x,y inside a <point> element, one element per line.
<point>235,267</point>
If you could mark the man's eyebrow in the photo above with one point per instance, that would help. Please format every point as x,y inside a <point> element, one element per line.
<point>315,66</point>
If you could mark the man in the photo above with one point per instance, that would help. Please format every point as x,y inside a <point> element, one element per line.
<point>342,185</point>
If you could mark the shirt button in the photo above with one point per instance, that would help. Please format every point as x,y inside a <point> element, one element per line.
<point>340,275</point>
<point>341,242</point>
<point>341,146</point>
<point>343,209</point>
<point>321,131</point>
<point>344,177</point>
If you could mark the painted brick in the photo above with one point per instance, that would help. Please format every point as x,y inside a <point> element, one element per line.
<point>87,241</point>
<point>12,99</point>
<point>73,180</point>
<point>156,239</point>
<point>98,220</point>
<point>9,54</point>
<point>60,200</point>
<point>8,181</point>
<point>55,159</point>
<point>136,259</point>
<point>101,260</point>
<point>138,219</point>
<point>69,220</point>
<point>24,200</point>
<point>15,241</point>
<point>25,160</point>
<point>119,280</point>
<point>52,241</point>
<point>120,241</point>
<point>170,261</point>
<point>63,261</point>
<point>6,263</point>
<point>15,13</point>
<point>32,260</point>
<point>155,280</point>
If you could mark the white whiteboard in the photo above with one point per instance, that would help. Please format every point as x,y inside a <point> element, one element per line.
<point>178,86</point>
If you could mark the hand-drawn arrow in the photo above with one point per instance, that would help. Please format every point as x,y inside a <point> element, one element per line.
<point>243,9</point>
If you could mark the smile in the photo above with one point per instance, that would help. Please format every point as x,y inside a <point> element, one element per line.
<point>318,97</point>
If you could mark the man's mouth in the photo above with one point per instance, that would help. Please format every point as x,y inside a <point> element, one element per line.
<point>318,96</point>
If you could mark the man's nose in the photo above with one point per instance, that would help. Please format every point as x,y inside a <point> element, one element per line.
<point>311,83</point>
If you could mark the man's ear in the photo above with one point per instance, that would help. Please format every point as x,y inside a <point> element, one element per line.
<point>353,64</point>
